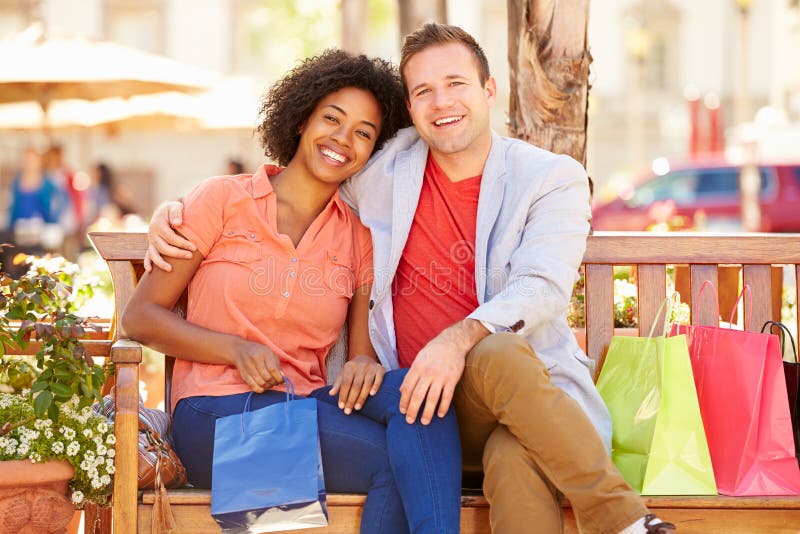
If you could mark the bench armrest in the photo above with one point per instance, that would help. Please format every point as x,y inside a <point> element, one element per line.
<point>126,355</point>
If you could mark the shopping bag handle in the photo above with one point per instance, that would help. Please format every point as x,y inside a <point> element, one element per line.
<point>289,397</point>
<point>669,303</point>
<point>708,283</point>
<point>783,332</point>
<point>745,290</point>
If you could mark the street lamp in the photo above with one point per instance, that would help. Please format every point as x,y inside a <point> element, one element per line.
<point>749,178</point>
<point>638,42</point>
<point>743,91</point>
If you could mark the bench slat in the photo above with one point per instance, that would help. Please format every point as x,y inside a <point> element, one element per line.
<point>196,496</point>
<point>651,288</point>
<point>629,248</point>
<point>703,313</point>
<point>759,278</point>
<point>599,310</point>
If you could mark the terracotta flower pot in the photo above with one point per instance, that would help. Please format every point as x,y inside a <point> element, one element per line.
<point>33,497</point>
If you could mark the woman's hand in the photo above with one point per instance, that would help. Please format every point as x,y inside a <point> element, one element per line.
<point>360,377</point>
<point>258,366</point>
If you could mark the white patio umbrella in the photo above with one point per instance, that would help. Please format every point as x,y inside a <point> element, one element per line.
<point>35,67</point>
<point>144,112</point>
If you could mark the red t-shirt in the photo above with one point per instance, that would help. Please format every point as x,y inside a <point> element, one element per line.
<point>435,282</point>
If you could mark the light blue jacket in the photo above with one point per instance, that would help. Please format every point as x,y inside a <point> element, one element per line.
<point>533,219</point>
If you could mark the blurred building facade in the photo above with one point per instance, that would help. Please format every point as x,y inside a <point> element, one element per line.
<point>651,57</point>
<point>646,53</point>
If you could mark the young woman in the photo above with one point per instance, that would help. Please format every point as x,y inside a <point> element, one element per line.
<point>281,264</point>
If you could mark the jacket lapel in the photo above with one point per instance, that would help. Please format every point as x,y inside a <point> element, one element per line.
<point>489,203</point>
<point>408,173</point>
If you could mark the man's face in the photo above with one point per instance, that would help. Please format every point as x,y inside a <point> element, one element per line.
<point>446,100</point>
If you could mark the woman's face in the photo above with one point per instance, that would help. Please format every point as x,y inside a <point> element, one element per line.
<point>338,138</point>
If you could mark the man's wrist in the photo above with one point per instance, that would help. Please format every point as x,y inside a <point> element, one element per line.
<point>468,333</point>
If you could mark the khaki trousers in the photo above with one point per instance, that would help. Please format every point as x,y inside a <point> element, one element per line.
<point>535,443</point>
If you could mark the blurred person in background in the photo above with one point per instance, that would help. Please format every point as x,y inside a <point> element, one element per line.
<point>36,206</point>
<point>234,166</point>
<point>71,216</point>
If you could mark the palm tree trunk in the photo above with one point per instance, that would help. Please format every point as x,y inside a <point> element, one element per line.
<point>354,18</point>
<point>549,67</point>
<point>413,13</point>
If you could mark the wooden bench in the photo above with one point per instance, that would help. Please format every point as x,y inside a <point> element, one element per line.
<point>649,254</point>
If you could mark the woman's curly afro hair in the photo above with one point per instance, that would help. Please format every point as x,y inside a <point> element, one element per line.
<point>289,103</point>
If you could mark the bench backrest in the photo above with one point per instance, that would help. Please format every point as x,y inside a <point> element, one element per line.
<point>705,257</point>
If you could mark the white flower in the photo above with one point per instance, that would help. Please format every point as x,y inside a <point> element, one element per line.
<point>73,448</point>
<point>101,450</point>
<point>111,439</point>
<point>69,433</point>
<point>96,483</point>
<point>87,432</point>
<point>57,447</point>
<point>105,479</point>
<point>23,449</point>
<point>111,453</point>
<point>102,428</point>
<point>48,433</point>
<point>77,497</point>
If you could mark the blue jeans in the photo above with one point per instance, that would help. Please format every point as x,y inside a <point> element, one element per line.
<point>410,473</point>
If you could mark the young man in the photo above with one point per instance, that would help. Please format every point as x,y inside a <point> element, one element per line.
<point>477,240</point>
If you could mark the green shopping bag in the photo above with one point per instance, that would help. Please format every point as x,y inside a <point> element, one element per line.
<point>658,441</point>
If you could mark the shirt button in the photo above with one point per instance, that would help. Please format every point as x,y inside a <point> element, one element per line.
<point>286,294</point>
<point>294,260</point>
<point>252,236</point>
<point>335,258</point>
<point>291,274</point>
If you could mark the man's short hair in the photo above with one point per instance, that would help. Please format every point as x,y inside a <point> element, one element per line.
<point>432,34</point>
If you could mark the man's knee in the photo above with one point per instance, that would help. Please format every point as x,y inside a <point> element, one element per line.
<point>503,356</point>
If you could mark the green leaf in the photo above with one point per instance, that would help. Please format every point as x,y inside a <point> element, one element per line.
<point>62,374</point>
<point>52,412</point>
<point>61,390</point>
<point>42,403</point>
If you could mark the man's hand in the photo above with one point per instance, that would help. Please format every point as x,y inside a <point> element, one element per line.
<point>164,240</point>
<point>360,377</point>
<point>257,364</point>
<point>437,369</point>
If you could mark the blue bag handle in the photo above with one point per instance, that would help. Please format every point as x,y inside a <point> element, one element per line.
<point>289,398</point>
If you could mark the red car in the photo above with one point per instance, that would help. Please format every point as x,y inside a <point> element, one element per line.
<point>704,196</point>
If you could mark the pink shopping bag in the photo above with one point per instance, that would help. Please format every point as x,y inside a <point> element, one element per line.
<point>743,402</point>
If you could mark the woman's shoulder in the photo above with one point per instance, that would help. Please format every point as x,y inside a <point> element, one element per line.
<point>223,186</point>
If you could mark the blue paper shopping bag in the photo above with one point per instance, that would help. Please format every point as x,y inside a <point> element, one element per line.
<point>267,471</point>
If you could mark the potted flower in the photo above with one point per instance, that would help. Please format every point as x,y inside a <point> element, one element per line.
<point>48,431</point>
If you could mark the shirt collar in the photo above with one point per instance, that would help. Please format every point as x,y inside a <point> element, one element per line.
<point>263,187</point>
